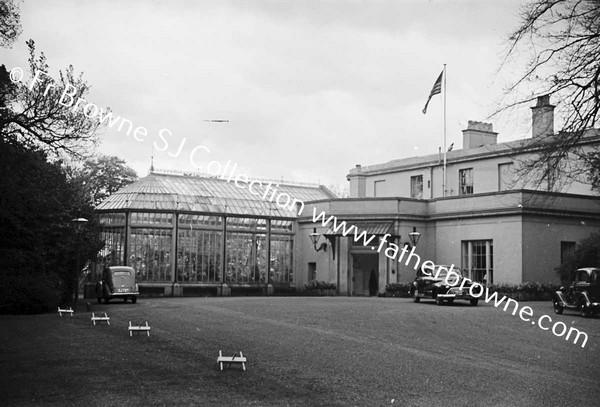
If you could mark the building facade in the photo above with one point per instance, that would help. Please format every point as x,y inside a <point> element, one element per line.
<point>482,216</point>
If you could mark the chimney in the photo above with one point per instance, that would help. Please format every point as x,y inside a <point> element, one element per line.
<point>542,117</point>
<point>479,134</point>
<point>358,183</point>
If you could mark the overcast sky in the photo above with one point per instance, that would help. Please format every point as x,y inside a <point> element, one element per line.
<point>309,88</point>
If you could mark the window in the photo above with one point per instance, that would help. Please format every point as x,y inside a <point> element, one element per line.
<point>282,259</point>
<point>465,181</point>
<point>150,254</point>
<point>416,187</point>
<point>199,255</point>
<point>378,188</point>
<point>566,249</point>
<point>505,176</point>
<point>113,253</point>
<point>478,260</point>
<point>246,258</point>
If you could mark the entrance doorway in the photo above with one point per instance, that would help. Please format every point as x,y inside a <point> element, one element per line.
<point>365,274</point>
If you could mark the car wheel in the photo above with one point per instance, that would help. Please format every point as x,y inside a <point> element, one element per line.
<point>451,300</point>
<point>558,309</point>
<point>474,302</point>
<point>584,310</point>
<point>439,300</point>
<point>416,297</point>
<point>133,300</point>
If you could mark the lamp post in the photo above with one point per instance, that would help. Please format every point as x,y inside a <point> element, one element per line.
<point>414,237</point>
<point>79,224</point>
<point>314,237</point>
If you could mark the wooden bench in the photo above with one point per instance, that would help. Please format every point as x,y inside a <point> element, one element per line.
<point>231,359</point>
<point>100,318</point>
<point>139,328</point>
<point>66,311</point>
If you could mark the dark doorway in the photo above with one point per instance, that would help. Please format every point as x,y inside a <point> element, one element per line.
<point>362,265</point>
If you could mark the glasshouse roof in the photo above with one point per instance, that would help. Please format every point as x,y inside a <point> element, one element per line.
<point>197,193</point>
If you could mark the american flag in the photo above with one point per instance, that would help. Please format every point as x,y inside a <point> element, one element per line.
<point>437,89</point>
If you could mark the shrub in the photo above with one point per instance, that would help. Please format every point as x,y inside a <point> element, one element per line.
<point>29,294</point>
<point>529,291</point>
<point>320,285</point>
<point>397,290</point>
<point>320,288</point>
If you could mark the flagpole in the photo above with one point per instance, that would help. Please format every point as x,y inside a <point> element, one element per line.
<point>445,149</point>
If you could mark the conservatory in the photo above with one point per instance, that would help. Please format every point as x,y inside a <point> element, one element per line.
<point>189,234</point>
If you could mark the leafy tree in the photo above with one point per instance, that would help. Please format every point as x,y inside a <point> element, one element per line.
<point>10,26</point>
<point>37,205</point>
<point>32,112</point>
<point>586,254</point>
<point>561,41</point>
<point>103,175</point>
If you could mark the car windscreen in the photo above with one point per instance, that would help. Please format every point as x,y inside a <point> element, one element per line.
<point>443,272</point>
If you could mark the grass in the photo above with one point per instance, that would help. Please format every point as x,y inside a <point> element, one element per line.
<point>301,351</point>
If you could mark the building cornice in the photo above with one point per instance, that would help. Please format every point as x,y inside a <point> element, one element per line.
<point>508,149</point>
<point>526,203</point>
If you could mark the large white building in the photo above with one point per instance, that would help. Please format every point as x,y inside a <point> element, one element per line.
<point>484,218</point>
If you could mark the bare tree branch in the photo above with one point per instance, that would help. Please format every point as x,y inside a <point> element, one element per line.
<point>562,38</point>
<point>33,114</point>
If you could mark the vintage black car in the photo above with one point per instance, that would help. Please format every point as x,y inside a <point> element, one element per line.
<point>117,282</point>
<point>582,295</point>
<point>434,286</point>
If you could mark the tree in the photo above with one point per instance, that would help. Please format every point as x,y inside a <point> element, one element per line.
<point>586,254</point>
<point>37,204</point>
<point>561,42</point>
<point>35,111</point>
<point>103,175</point>
<point>340,191</point>
<point>10,26</point>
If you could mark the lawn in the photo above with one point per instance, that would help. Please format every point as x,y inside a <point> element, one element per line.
<point>305,351</point>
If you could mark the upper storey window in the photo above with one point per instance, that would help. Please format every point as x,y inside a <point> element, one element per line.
<point>416,187</point>
<point>465,181</point>
<point>505,176</point>
<point>378,188</point>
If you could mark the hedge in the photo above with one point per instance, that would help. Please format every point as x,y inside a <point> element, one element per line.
<point>320,288</point>
<point>397,290</point>
<point>29,294</point>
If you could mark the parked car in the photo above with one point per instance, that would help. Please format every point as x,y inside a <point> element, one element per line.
<point>117,282</point>
<point>583,294</point>
<point>428,286</point>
